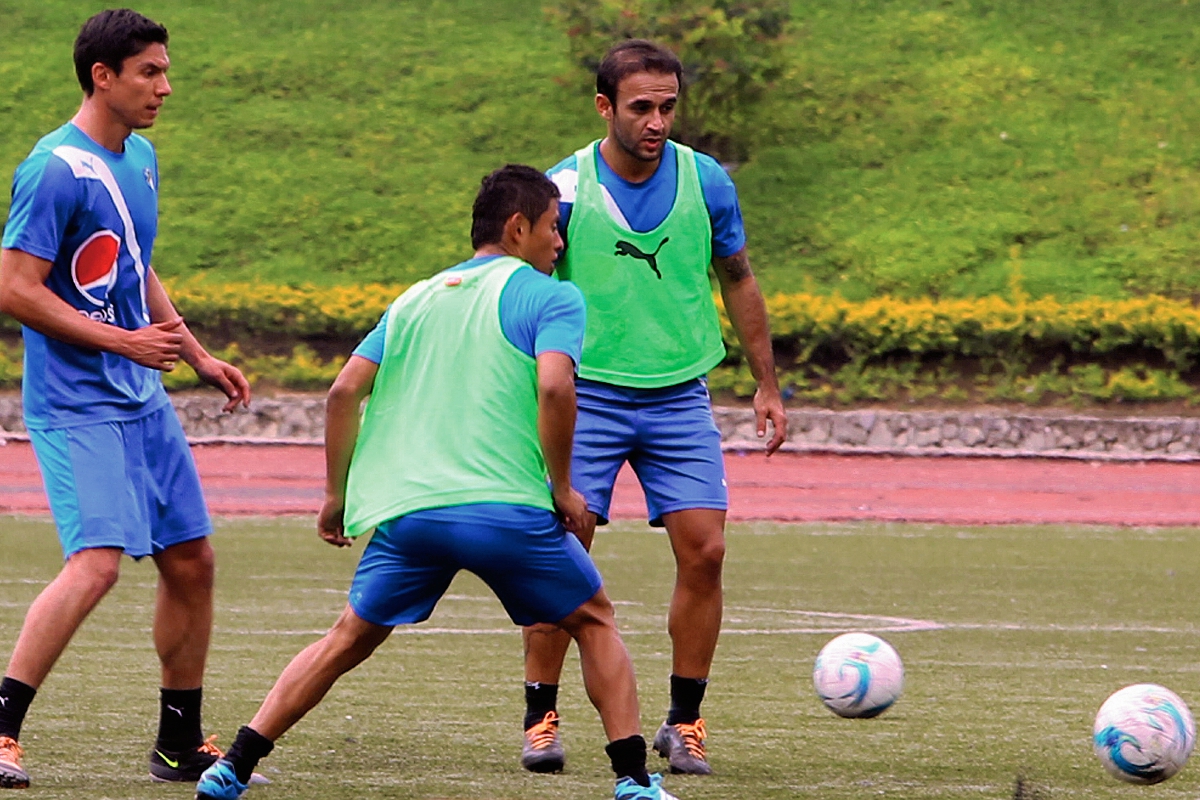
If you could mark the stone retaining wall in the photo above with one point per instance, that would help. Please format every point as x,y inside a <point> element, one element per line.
<point>299,418</point>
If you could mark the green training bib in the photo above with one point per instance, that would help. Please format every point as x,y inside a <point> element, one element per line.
<point>452,418</point>
<point>651,319</point>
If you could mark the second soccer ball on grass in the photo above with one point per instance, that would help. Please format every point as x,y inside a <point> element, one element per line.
<point>1143,733</point>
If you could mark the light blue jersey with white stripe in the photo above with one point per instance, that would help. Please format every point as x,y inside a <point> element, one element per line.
<point>93,214</point>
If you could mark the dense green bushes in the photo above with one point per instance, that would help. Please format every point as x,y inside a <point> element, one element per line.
<point>830,350</point>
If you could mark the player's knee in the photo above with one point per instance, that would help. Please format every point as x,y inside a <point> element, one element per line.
<point>92,577</point>
<point>192,565</point>
<point>352,640</point>
<point>703,563</point>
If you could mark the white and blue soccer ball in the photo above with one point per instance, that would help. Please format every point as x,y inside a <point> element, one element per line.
<point>858,675</point>
<point>1143,733</point>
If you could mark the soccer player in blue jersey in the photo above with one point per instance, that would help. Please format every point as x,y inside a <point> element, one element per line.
<point>643,219</point>
<point>460,461</point>
<point>99,330</point>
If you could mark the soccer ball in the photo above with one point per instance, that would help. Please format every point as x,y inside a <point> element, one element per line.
<point>1143,733</point>
<point>858,675</point>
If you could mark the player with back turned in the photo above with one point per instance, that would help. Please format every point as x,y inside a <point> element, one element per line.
<point>460,461</point>
<point>99,330</point>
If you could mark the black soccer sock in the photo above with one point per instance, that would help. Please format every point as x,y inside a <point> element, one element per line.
<point>15,698</point>
<point>540,698</point>
<point>179,720</point>
<point>628,758</point>
<point>247,750</point>
<point>686,696</point>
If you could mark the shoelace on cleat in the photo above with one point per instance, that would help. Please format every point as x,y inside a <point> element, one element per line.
<point>210,748</point>
<point>542,734</point>
<point>693,736</point>
<point>10,751</point>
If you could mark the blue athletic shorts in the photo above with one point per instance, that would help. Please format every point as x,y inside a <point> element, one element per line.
<point>131,484</point>
<point>539,572</point>
<point>667,435</point>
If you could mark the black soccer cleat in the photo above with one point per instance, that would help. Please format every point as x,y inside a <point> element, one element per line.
<point>185,766</point>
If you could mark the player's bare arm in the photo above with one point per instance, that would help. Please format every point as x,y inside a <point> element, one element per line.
<point>556,430</point>
<point>24,296</point>
<point>748,314</point>
<point>213,371</point>
<point>342,405</point>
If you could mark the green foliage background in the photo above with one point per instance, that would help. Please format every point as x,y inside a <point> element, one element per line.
<point>922,147</point>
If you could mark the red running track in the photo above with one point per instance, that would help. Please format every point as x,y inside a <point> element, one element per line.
<point>288,479</point>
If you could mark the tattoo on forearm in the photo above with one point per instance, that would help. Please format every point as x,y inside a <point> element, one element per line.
<point>737,267</point>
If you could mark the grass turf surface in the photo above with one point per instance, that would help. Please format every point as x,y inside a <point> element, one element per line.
<point>1034,628</point>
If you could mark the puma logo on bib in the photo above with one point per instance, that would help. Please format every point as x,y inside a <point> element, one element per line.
<point>628,249</point>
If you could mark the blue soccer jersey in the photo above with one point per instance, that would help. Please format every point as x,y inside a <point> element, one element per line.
<point>93,214</point>
<point>643,206</point>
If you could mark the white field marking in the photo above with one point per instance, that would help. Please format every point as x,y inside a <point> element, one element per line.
<point>818,622</point>
<point>837,621</point>
<point>1044,628</point>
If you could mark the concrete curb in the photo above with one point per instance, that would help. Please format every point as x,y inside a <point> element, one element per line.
<point>298,419</point>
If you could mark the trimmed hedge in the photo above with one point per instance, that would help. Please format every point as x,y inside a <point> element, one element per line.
<point>802,325</point>
<point>305,311</point>
<point>1094,349</point>
<point>986,327</point>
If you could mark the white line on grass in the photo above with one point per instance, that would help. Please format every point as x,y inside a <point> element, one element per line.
<point>828,622</point>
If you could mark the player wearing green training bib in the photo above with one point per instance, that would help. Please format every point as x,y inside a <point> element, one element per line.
<point>461,460</point>
<point>644,220</point>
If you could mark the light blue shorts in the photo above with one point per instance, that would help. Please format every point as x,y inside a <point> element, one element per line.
<point>667,435</point>
<point>132,485</point>
<point>539,572</point>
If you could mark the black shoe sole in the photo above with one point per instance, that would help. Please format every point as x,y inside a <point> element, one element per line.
<point>13,782</point>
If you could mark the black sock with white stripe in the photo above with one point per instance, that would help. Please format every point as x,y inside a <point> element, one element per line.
<point>179,720</point>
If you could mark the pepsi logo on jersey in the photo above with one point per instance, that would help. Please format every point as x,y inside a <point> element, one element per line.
<point>94,272</point>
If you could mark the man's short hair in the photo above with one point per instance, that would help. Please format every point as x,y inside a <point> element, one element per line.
<point>512,189</point>
<point>630,57</point>
<point>109,38</point>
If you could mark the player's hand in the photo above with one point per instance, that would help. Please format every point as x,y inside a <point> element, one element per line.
<point>768,405</point>
<point>157,345</point>
<point>329,522</point>
<point>226,377</point>
<point>572,509</point>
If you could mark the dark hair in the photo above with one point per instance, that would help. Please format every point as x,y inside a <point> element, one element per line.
<point>632,56</point>
<point>109,38</point>
<point>512,189</point>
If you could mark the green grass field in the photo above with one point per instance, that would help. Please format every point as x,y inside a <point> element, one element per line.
<point>1028,630</point>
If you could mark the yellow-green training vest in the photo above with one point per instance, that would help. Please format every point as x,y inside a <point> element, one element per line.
<point>452,417</point>
<point>651,319</point>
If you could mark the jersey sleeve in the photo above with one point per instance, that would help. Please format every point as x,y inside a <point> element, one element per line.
<point>540,315</point>
<point>371,347</point>
<point>43,200</point>
<point>720,195</point>
<point>565,175</point>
